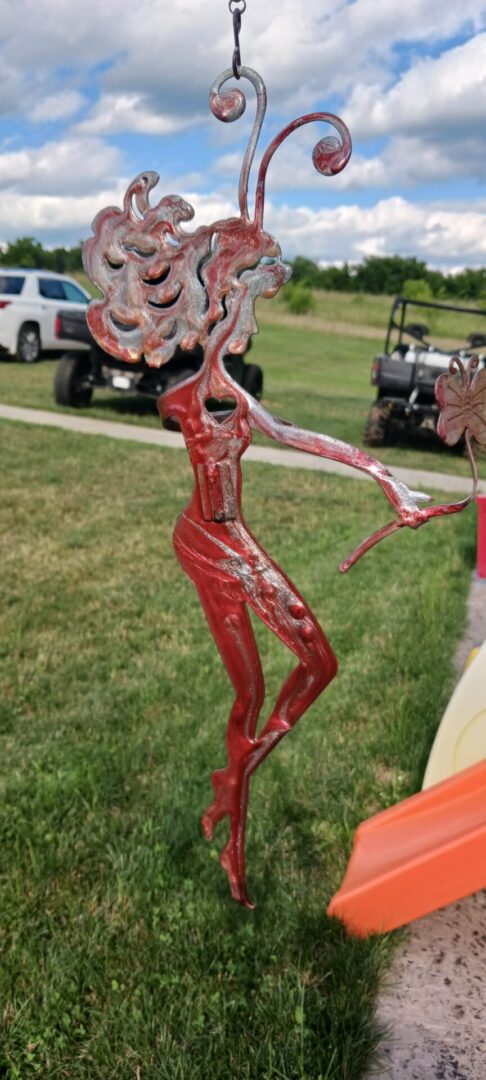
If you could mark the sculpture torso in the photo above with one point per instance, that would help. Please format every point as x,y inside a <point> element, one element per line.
<point>215,444</point>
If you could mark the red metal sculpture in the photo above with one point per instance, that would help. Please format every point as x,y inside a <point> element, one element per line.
<point>165,288</point>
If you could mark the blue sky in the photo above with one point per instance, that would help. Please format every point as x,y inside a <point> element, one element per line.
<point>90,95</point>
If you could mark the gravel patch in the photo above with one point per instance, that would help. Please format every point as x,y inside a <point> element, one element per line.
<point>434,1004</point>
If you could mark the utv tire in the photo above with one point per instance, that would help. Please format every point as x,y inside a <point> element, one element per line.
<point>252,380</point>
<point>178,377</point>
<point>478,449</point>
<point>28,344</point>
<point>377,425</point>
<point>72,370</point>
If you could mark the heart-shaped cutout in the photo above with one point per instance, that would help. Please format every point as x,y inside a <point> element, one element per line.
<point>220,408</point>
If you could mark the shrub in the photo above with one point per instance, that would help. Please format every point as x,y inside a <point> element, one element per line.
<point>298,298</point>
<point>417,289</point>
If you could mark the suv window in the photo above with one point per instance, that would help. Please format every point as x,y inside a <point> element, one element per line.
<point>74,294</point>
<point>11,285</point>
<point>51,289</point>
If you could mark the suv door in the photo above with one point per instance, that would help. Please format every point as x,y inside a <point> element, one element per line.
<point>55,295</point>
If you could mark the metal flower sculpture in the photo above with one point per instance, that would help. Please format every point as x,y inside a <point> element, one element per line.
<point>164,287</point>
<point>461,396</point>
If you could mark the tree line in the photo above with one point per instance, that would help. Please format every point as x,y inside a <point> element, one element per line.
<point>390,274</point>
<point>30,253</point>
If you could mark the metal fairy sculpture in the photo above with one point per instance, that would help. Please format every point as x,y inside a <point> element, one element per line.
<point>164,288</point>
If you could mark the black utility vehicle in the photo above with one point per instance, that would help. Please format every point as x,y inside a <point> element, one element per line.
<point>406,371</point>
<point>80,371</point>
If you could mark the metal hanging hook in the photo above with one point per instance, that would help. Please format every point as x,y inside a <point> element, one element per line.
<point>237,8</point>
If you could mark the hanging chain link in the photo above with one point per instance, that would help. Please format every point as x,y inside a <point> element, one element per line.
<point>237,8</point>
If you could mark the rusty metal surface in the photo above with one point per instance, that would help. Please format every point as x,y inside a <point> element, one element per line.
<point>165,287</point>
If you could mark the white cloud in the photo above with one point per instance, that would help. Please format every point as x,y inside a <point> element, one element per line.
<point>443,96</point>
<point>59,106</point>
<point>335,47</point>
<point>443,236</point>
<point>148,67</point>
<point>169,53</point>
<point>74,166</point>
<point>130,112</point>
<point>49,217</point>
<point>11,89</point>
<point>293,170</point>
<point>406,162</point>
<point>434,113</point>
<point>65,217</point>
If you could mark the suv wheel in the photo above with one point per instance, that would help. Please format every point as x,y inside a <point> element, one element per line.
<point>70,381</point>
<point>252,380</point>
<point>28,344</point>
<point>377,424</point>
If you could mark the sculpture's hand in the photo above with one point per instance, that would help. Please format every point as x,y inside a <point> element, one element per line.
<point>405,502</point>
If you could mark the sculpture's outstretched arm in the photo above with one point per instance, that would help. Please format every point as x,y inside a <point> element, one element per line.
<point>401,498</point>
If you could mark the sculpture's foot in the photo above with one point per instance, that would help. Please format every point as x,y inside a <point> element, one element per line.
<point>236,876</point>
<point>224,787</point>
<point>231,800</point>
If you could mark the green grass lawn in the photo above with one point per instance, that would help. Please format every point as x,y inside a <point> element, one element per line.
<point>123,957</point>
<point>318,380</point>
<point>364,311</point>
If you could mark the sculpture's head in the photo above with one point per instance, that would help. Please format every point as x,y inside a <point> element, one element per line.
<point>164,288</point>
<point>146,268</point>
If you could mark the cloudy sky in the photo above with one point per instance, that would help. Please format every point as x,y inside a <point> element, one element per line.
<point>92,93</point>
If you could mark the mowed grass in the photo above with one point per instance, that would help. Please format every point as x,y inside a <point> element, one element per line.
<point>123,955</point>
<point>317,379</point>
<point>366,312</point>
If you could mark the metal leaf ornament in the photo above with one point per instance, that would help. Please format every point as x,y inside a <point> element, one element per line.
<point>461,396</point>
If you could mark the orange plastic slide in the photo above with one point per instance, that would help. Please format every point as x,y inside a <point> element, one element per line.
<point>420,855</point>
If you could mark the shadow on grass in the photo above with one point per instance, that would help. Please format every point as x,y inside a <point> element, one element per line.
<point>125,405</point>
<point>424,440</point>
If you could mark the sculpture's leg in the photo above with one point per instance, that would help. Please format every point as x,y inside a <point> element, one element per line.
<point>290,618</point>
<point>316,668</point>
<point>233,633</point>
<point>255,580</point>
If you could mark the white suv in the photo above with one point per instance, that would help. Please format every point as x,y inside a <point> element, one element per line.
<point>29,303</point>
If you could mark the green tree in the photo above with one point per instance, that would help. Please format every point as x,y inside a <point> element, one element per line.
<point>387,274</point>
<point>467,285</point>
<point>24,252</point>
<point>336,277</point>
<point>305,272</point>
<point>29,252</point>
